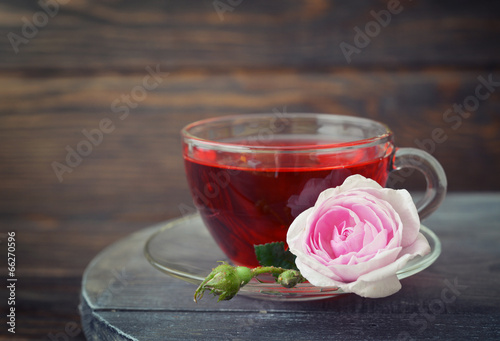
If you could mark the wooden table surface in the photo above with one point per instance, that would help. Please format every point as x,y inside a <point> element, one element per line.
<point>457,297</point>
<point>93,95</point>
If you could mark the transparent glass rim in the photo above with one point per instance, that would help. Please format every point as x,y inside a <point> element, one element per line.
<point>197,141</point>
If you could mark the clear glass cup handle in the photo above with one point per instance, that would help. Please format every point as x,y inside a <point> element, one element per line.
<point>435,176</point>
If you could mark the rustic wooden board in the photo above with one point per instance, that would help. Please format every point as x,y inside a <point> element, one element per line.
<point>123,36</point>
<point>124,298</point>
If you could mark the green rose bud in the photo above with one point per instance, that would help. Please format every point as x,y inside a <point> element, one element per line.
<point>290,278</point>
<point>224,281</point>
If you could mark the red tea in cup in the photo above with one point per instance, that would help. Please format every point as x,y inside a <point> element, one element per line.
<point>251,175</point>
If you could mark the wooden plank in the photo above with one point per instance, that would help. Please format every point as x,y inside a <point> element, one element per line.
<point>121,36</point>
<point>50,258</point>
<point>134,171</point>
<point>289,326</point>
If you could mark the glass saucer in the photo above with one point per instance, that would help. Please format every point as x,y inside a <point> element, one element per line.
<point>184,248</point>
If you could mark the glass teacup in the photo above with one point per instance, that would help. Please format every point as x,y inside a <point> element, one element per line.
<point>251,175</point>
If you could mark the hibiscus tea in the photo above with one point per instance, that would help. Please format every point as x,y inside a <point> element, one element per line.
<point>249,198</point>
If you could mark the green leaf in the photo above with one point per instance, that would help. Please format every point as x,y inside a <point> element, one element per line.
<point>274,254</point>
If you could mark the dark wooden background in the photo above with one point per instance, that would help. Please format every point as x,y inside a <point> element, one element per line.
<point>259,56</point>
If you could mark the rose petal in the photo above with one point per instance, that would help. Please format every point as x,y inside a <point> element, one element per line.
<point>420,247</point>
<point>358,181</point>
<point>373,289</point>
<point>402,202</point>
<point>381,282</point>
<point>321,275</point>
<point>351,272</point>
<point>296,231</point>
<point>367,213</point>
<point>378,243</point>
<point>354,241</point>
<point>370,233</point>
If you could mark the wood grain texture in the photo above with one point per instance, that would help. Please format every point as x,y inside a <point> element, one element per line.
<point>51,256</point>
<point>122,35</point>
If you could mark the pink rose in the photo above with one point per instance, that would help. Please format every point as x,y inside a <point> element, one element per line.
<point>356,237</point>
